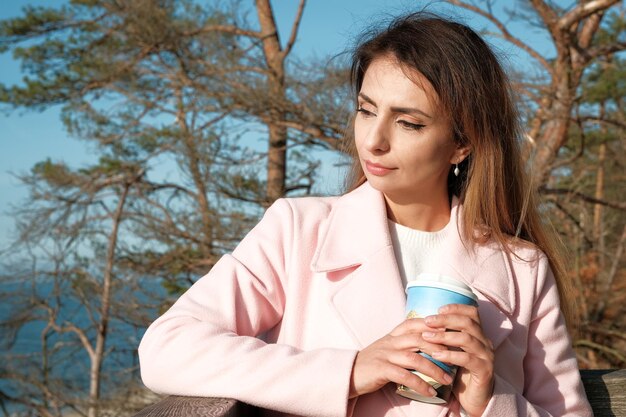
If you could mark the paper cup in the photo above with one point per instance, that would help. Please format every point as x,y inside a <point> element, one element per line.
<point>425,295</point>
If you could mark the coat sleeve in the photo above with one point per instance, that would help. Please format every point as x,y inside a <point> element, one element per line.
<point>552,384</point>
<point>207,343</point>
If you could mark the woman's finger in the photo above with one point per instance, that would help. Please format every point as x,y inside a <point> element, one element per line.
<point>461,340</point>
<point>412,326</point>
<point>460,323</point>
<point>413,361</point>
<point>478,367</point>
<point>413,342</point>
<point>461,309</point>
<point>407,378</point>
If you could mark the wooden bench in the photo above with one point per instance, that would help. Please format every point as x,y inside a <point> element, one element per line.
<point>606,390</point>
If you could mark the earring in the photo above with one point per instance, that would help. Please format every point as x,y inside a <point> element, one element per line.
<point>456,170</point>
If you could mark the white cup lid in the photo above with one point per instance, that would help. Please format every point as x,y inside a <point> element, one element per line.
<point>428,279</point>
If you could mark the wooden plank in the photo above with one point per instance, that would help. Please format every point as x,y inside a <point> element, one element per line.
<point>606,391</point>
<point>174,406</point>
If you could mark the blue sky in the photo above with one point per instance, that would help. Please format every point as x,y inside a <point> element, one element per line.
<point>328,27</point>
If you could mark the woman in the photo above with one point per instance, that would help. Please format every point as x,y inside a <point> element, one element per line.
<point>306,316</point>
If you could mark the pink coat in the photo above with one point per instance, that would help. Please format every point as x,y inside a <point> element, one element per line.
<point>278,323</point>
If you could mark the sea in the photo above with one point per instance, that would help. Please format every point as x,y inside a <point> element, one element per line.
<point>69,364</point>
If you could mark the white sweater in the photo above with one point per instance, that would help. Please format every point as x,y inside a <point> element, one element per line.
<point>413,249</point>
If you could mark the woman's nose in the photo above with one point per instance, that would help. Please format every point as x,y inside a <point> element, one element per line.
<point>377,139</point>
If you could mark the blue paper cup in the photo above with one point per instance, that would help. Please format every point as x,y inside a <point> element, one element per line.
<point>425,295</point>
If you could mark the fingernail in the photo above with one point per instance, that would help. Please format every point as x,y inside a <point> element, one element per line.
<point>438,354</point>
<point>447,378</point>
<point>443,309</point>
<point>432,391</point>
<point>430,319</point>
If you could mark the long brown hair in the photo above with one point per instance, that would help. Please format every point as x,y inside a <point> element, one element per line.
<point>499,202</point>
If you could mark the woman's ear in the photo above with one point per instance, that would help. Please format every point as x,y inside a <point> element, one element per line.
<point>460,154</point>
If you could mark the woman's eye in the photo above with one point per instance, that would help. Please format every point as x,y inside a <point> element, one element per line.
<point>409,125</point>
<point>364,112</point>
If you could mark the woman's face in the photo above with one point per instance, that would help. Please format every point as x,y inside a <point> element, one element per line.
<point>405,145</point>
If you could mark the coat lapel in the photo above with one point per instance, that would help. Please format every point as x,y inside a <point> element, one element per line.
<point>487,270</point>
<point>356,236</point>
<point>371,302</point>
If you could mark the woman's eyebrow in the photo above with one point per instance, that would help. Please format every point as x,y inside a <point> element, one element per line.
<point>403,110</point>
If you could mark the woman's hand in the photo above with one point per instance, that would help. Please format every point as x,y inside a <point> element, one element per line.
<point>475,377</point>
<point>389,359</point>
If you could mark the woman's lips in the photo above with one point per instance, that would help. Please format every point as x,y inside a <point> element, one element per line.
<point>376,169</point>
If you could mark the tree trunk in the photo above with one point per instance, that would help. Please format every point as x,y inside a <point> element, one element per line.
<point>276,163</point>
<point>572,33</point>
<point>612,273</point>
<point>277,144</point>
<point>102,331</point>
<point>192,155</point>
<point>598,224</point>
<point>558,114</point>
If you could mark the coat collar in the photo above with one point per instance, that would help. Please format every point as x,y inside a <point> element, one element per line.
<point>356,230</point>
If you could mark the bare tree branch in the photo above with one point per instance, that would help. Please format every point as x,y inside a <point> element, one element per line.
<point>583,10</point>
<point>606,332</point>
<point>579,153</point>
<point>589,28</point>
<point>601,348</point>
<point>333,142</point>
<point>547,14</point>
<point>223,28</point>
<point>505,33</point>
<point>604,50</point>
<point>587,198</point>
<point>617,258</point>
<point>294,29</point>
<point>593,119</point>
<point>572,219</point>
<point>82,336</point>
